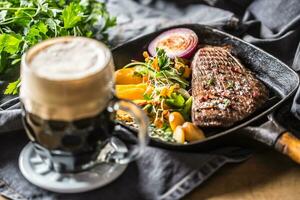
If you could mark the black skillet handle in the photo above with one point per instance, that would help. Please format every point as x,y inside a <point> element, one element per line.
<point>289,145</point>
<point>275,136</point>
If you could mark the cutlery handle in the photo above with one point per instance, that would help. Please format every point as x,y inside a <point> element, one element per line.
<point>289,145</point>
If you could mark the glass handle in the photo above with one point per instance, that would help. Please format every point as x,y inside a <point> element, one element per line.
<point>124,156</point>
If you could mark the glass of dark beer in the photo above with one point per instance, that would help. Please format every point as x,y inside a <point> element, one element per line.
<point>69,105</point>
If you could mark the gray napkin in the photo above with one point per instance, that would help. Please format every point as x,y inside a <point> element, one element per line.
<point>158,174</point>
<point>163,174</point>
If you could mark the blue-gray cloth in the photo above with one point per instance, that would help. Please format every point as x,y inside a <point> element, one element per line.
<point>162,174</point>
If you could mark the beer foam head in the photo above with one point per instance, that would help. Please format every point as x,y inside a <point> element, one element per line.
<point>68,59</point>
<point>67,78</point>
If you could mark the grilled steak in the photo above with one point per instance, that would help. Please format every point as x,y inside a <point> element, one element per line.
<point>224,91</point>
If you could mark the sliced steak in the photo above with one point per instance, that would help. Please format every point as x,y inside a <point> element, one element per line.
<point>224,91</point>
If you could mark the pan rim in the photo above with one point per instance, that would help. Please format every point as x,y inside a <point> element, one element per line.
<point>239,126</point>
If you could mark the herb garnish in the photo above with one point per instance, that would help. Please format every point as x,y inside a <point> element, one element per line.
<point>211,81</point>
<point>230,85</point>
<point>24,23</point>
<point>168,85</point>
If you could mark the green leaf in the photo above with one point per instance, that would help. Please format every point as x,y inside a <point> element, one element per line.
<point>186,111</point>
<point>26,3</point>
<point>111,22</point>
<point>62,2</point>
<point>173,76</point>
<point>148,108</point>
<point>23,17</point>
<point>9,43</point>
<point>163,59</point>
<point>42,27</point>
<point>13,88</point>
<point>71,15</point>
<point>176,101</point>
<point>33,35</point>
<point>5,4</point>
<point>141,70</point>
<point>147,97</point>
<point>51,23</point>
<point>36,33</point>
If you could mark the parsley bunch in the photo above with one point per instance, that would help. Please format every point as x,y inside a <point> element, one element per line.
<point>24,23</point>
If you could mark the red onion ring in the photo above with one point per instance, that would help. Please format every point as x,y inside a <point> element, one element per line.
<point>177,42</point>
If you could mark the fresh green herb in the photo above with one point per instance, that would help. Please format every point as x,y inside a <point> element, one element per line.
<point>163,60</point>
<point>72,15</point>
<point>142,71</point>
<point>12,88</point>
<point>227,102</point>
<point>211,81</point>
<point>230,85</point>
<point>176,100</point>
<point>24,23</point>
<point>184,93</point>
<point>148,108</point>
<point>176,78</point>
<point>186,111</point>
<point>147,97</point>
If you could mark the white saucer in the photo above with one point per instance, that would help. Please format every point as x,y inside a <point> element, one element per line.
<point>38,173</point>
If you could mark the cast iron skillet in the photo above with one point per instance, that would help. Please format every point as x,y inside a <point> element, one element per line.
<point>281,81</point>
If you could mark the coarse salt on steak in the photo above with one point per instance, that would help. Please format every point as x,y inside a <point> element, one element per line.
<point>224,91</point>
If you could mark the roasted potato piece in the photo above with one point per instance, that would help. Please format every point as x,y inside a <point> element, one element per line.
<point>192,132</point>
<point>175,119</point>
<point>179,135</point>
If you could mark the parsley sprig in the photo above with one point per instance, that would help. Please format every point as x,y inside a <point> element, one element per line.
<point>24,23</point>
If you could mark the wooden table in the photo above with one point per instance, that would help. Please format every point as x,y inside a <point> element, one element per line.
<point>267,175</point>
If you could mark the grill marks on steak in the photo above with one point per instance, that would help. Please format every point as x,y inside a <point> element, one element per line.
<point>223,90</point>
